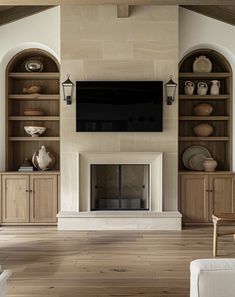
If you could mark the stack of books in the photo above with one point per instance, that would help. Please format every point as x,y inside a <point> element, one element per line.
<point>26,168</point>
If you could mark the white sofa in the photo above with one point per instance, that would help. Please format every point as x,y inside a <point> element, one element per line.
<point>212,278</point>
<point>4,275</point>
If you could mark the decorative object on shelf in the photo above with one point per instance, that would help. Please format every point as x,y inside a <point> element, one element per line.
<point>26,166</point>
<point>202,88</point>
<point>215,87</point>
<point>68,88</point>
<point>33,65</point>
<point>196,162</point>
<point>33,112</point>
<point>209,164</point>
<point>202,64</point>
<point>170,88</point>
<point>203,109</point>
<point>189,87</point>
<point>192,150</point>
<point>32,90</point>
<point>43,160</point>
<point>35,131</point>
<point>203,130</point>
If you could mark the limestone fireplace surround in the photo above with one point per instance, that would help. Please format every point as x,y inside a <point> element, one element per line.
<point>153,219</point>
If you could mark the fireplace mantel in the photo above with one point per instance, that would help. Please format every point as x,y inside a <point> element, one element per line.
<point>152,219</point>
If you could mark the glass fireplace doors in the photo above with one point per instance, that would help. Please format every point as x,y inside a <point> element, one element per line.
<point>120,187</point>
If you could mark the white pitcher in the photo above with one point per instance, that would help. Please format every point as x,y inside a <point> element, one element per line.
<point>215,87</point>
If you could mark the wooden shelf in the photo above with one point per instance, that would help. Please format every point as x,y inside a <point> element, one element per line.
<point>208,75</point>
<point>201,118</point>
<point>34,138</point>
<point>34,96</point>
<point>206,97</point>
<point>210,138</point>
<point>31,75</point>
<point>34,118</point>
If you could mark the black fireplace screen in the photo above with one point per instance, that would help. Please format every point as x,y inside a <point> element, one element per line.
<point>120,187</point>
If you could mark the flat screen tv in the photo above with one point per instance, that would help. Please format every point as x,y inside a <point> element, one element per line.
<point>119,106</point>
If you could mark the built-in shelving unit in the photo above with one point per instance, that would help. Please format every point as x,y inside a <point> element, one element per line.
<point>219,143</point>
<point>20,145</point>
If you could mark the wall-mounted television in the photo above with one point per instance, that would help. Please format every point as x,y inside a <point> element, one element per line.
<point>119,106</point>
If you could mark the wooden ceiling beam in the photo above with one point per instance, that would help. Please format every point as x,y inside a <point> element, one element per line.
<point>18,12</point>
<point>123,11</point>
<point>116,2</point>
<point>222,13</point>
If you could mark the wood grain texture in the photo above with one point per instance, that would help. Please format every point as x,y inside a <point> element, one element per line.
<point>116,2</point>
<point>104,264</point>
<point>224,13</point>
<point>14,13</point>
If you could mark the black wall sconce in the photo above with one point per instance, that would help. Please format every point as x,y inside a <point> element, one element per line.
<point>170,87</point>
<point>68,88</point>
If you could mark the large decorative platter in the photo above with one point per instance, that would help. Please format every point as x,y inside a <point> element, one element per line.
<point>194,150</point>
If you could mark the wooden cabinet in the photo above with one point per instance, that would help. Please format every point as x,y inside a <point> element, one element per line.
<point>194,198</point>
<point>29,198</point>
<point>15,199</point>
<point>43,198</point>
<point>203,194</point>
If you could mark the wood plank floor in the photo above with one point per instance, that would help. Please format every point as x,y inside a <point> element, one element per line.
<point>49,263</point>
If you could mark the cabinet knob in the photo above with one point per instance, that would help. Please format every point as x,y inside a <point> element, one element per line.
<point>209,191</point>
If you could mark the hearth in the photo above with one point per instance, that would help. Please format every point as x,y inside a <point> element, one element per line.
<point>119,186</point>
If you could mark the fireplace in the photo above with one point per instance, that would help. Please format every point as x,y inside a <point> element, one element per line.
<point>119,186</point>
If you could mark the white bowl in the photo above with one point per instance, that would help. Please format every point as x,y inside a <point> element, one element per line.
<point>34,131</point>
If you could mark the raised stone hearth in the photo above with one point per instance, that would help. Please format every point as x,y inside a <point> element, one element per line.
<point>151,218</point>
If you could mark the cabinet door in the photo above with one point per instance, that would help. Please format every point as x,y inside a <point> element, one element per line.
<point>43,198</point>
<point>194,198</point>
<point>15,199</point>
<point>222,194</point>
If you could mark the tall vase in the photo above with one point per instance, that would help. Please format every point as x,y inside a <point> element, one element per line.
<point>42,159</point>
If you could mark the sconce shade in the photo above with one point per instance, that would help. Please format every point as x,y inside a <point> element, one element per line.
<point>170,87</point>
<point>68,88</point>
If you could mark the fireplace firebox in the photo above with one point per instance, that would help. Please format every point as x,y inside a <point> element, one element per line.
<point>119,187</point>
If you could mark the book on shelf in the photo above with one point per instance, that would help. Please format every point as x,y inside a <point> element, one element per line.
<point>26,168</point>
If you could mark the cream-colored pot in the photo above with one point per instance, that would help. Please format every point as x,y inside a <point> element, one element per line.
<point>209,164</point>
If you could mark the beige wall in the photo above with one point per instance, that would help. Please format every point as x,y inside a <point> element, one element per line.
<point>95,45</point>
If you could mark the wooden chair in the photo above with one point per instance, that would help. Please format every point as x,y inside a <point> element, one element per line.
<point>221,219</point>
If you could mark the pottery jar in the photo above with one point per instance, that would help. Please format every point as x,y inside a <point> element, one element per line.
<point>209,164</point>
<point>202,88</point>
<point>189,87</point>
<point>203,130</point>
<point>203,109</point>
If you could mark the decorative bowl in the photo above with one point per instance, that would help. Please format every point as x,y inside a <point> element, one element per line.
<point>32,90</point>
<point>33,65</point>
<point>203,130</point>
<point>34,131</point>
<point>33,112</point>
<point>203,109</point>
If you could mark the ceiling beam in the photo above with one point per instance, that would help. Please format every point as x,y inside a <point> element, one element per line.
<point>18,12</point>
<point>123,11</point>
<point>116,2</point>
<point>222,13</point>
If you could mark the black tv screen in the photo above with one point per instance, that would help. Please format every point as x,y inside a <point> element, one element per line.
<point>119,106</point>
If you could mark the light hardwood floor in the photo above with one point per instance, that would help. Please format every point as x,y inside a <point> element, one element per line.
<point>82,264</point>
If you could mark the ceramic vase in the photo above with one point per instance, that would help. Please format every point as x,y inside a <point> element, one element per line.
<point>215,87</point>
<point>42,159</point>
<point>209,164</point>
<point>189,87</point>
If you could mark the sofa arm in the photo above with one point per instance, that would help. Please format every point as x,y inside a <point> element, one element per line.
<point>212,278</point>
<point>4,275</point>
